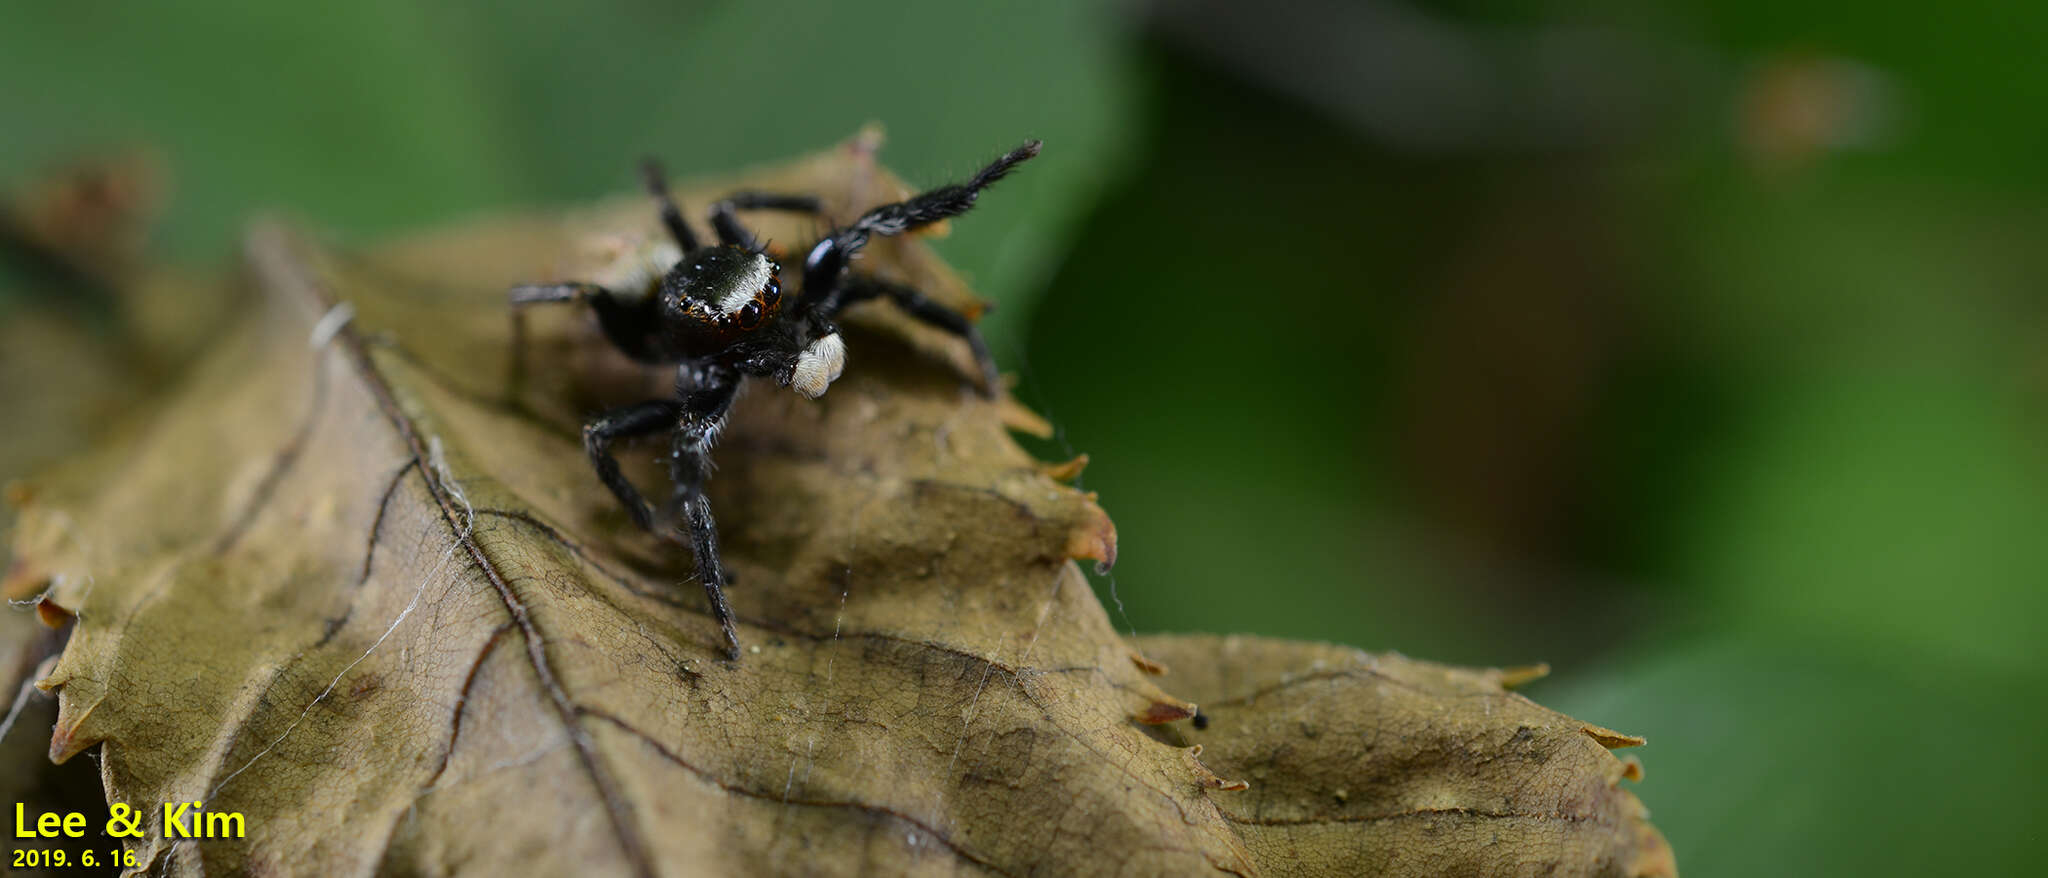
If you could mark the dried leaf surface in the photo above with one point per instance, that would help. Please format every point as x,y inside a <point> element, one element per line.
<point>369,594</point>
<point>1365,764</point>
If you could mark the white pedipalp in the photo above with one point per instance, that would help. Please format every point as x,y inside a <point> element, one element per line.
<point>818,366</point>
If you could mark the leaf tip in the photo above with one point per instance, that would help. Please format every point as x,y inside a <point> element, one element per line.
<point>1147,666</point>
<point>1165,710</point>
<point>1093,538</point>
<point>53,614</point>
<point>70,737</point>
<point>1523,675</point>
<point>1016,417</point>
<point>1610,738</point>
<point>867,141</point>
<point>1065,471</point>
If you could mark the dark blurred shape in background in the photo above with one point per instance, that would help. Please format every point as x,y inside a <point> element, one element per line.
<point>1694,348</point>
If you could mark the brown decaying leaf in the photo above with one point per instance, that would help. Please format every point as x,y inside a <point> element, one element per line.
<point>1363,764</point>
<point>371,596</point>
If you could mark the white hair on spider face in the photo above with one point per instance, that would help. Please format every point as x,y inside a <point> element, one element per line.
<point>819,365</point>
<point>753,281</point>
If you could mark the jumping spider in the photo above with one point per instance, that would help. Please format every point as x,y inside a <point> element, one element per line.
<point>717,312</point>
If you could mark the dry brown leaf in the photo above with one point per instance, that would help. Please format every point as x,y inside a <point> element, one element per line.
<point>1363,764</point>
<point>371,596</point>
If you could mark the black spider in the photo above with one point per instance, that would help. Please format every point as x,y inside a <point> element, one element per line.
<point>719,313</point>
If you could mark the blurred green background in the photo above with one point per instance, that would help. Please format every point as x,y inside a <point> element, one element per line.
<point>1698,349</point>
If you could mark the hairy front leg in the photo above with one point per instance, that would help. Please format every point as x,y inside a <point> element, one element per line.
<point>705,405</point>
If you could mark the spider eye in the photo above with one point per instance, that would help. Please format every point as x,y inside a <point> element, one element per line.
<point>772,293</point>
<point>750,315</point>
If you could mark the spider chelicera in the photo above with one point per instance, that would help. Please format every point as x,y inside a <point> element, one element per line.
<point>717,313</point>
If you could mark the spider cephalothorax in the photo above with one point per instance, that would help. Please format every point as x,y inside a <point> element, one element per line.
<point>720,292</point>
<point>718,312</point>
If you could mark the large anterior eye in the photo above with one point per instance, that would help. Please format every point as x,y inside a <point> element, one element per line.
<point>750,314</point>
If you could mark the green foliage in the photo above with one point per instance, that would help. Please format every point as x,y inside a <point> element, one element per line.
<point>1800,758</point>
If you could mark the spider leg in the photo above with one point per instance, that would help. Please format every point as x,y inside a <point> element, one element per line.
<point>541,294</point>
<point>829,257</point>
<point>704,408</point>
<point>861,287</point>
<point>641,419</point>
<point>632,324</point>
<point>523,295</point>
<point>749,199</point>
<point>671,216</point>
<point>728,226</point>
